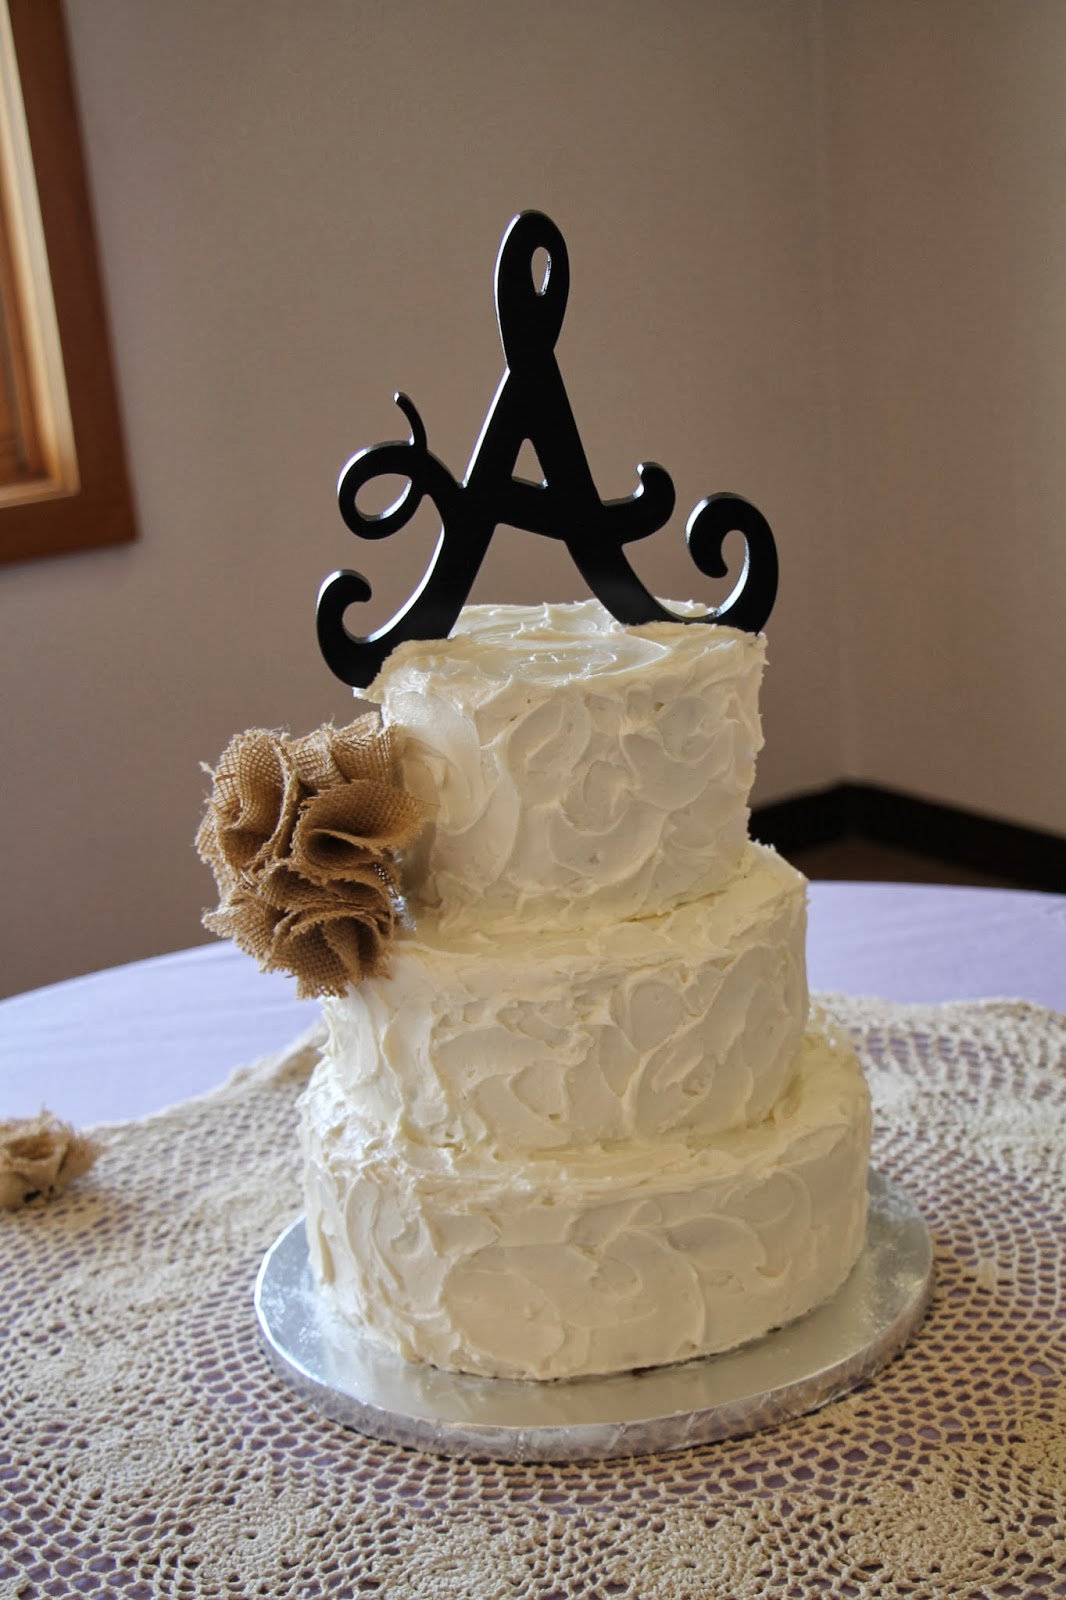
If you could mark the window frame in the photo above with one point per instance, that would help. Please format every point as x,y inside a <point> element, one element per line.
<point>98,509</point>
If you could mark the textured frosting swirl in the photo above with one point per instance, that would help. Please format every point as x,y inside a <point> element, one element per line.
<point>591,1261</point>
<point>573,770</point>
<point>690,1020</point>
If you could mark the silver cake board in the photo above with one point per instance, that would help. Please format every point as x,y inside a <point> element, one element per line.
<point>787,1373</point>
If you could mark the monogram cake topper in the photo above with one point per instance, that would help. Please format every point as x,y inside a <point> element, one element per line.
<point>531,404</point>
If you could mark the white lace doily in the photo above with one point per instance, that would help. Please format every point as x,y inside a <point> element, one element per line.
<point>147,1449</point>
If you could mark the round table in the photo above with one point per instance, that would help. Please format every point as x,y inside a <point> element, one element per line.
<point>132,1040</point>
<point>149,1448</point>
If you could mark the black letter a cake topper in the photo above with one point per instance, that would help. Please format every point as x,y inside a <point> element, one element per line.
<point>531,404</point>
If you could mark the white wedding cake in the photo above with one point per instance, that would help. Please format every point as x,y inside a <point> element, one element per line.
<point>584,1124</point>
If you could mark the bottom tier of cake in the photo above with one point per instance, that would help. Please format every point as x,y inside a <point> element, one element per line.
<point>590,1260</point>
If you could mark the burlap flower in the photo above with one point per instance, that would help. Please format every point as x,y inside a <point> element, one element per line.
<point>302,836</point>
<point>39,1156</point>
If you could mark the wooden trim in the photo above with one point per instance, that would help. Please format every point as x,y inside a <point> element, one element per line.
<point>21,455</point>
<point>1031,858</point>
<point>100,510</point>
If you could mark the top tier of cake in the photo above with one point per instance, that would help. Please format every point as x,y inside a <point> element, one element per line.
<point>573,771</point>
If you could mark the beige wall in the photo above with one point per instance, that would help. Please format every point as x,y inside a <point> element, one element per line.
<point>298,209</point>
<point>947,163</point>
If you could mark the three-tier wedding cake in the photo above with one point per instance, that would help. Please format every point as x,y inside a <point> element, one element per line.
<point>584,1124</point>
<point>571,1116</point>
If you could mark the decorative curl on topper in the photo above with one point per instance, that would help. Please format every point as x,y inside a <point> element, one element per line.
<point>531,404</point>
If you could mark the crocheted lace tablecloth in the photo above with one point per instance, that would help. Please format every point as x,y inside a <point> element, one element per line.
<point>146,1448</point>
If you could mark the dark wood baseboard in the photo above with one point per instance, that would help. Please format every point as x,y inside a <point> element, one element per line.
<point>1029,857</point>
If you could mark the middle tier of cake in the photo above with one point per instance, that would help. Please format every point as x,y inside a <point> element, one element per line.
<point>687,1021</point>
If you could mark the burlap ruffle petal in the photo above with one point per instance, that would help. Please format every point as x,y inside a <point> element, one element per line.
<point>324,844</point>
<point>39,1157</point>
<point>324,944</point>
<point>337,755</point>
<point>285,889</point>
<point>326,937</point>
<point>302,836</point>
<point>248,921</point>
<point>253,808</point>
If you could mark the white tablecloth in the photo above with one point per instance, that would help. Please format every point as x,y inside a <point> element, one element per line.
<point>125,1042</point>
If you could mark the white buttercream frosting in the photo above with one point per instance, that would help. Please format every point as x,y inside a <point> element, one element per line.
<point>582,1126</point>
<point>573,770</point>
<point>591,1261</point>
<point>628,1031</point>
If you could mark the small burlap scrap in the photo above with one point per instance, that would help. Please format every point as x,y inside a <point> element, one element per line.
<point>148,1449</point>
<point>302,836</point>
<point>39,1157</point>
